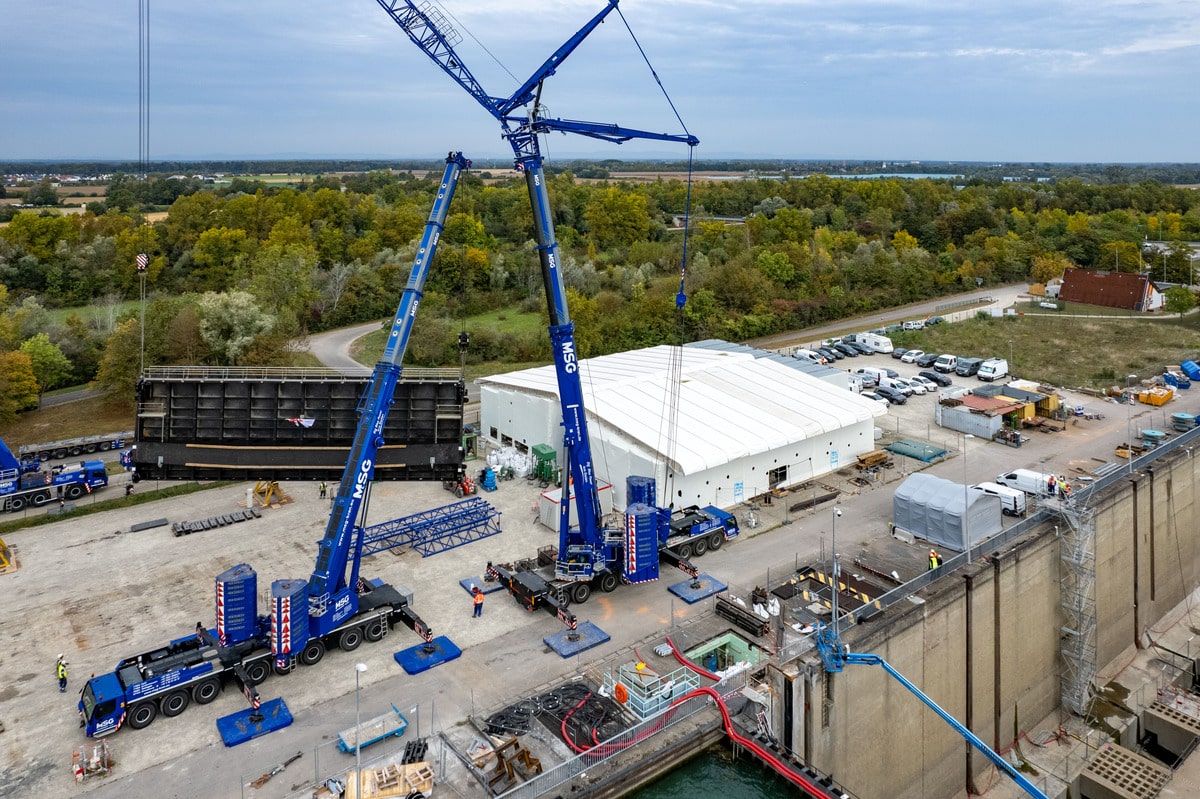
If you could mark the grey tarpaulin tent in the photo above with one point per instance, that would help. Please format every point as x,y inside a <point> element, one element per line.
<point>932,508</point>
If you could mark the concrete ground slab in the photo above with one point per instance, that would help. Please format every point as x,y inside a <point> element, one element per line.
<point>424,657</point>
<point>248,724</point>
<point>693,591</point>
<point>569,643</point>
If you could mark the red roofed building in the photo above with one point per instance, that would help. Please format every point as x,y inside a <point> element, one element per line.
<point>1133,292</point>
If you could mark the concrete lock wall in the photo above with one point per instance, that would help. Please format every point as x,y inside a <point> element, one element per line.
<point>984,643</point>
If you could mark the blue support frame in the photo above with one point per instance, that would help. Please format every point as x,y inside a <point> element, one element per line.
<point>433,531</point>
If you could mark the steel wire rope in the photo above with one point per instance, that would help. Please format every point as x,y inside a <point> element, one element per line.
<point>459,26</point>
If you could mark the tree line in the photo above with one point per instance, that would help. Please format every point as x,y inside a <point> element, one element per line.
<point>236,272</point>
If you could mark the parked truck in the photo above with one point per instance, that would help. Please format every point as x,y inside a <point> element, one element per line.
<point>25,482</point>
<point>334,607</point>
<point>74,447</point>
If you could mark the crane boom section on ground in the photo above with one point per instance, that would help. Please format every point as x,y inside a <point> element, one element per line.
<point>332,597</point>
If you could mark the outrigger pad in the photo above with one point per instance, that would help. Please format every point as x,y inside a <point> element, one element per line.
<point>692,591</point>
<point>424,657</point>
<point>480,583</point>
<point>581,639</point>
<point>245,725</point>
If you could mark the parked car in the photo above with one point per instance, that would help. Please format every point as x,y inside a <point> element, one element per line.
<point>927,360</point>
<point>914,324</point>
<point>846,349</point>
<point>946,362</point>
<point>911,356</point>
<point>893,328</point>
<point>830,353</point>
<point>925,382</point>
<point>934,320</point>
<point>890,372</point>
<point>871,395</point>
<point>863,349</point>
<point>917,388</point>
<point>936,377</point>
<point>899,353</point>
<point>892,395</point>
<point>809,355</point>
<point>896,383</point>
<point>968,366</point>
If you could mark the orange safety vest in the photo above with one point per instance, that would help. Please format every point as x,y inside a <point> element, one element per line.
<point>478,597</point>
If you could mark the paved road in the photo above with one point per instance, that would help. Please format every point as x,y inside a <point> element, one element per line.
<point>332,348</point>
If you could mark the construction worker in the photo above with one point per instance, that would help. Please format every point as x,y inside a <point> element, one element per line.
<point>60,669</point>
<point>477,598</point>
<point>324,488</point>
<point>934,560</point>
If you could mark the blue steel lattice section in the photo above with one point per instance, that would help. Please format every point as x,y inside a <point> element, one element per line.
<point>437,530</point>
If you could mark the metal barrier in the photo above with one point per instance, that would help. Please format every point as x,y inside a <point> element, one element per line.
<point>1043,514</point>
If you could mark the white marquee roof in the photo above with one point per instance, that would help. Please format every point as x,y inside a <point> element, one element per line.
<point>731,404</point>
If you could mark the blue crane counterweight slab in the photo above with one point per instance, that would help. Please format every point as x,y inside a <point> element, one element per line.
<point>480,583</point>
<point>245,725</point>
<point>692,591</point>
<point>424,657</point>
<point>581,639</point>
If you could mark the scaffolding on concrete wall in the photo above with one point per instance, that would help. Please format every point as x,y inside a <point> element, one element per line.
<point>1078,586</point>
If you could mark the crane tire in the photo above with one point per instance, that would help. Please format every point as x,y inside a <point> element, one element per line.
<point>375,630</point>
<point>40,498</point>
<point>700,545</point>
<point>350,639</point>
<point>715,541</point>
<point>580,592</point>
<point>175,703</point>
<point>314,650</point>
<point>15,504</point>
<point>608,582</point>
<point>206,691</point>
<point>141,715</point>
<point>74,491</point>
<point>257,671</point>
<point>684,551</point>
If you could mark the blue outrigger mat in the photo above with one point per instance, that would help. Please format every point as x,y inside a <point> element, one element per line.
<point>572,642</point>
<point>424,657</point>
<point>708,585</point>
<point>481,584</point>
<point>245,725</point>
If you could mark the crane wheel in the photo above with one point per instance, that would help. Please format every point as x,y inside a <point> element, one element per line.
<point>349,640</point>
<point>313,652</point>
<point>701,546</point>
<point>15,504</point>
<point>580,592</point>
<point>74,491</point>
<point>684,551</point>
<point>715,541</point>
<point>375,630</point>
<point>608,582</point>
<point>257,671</point>
<point>206,691</point>
<point>40,498</point>
<point>175,703</point>
<point>141,714</point>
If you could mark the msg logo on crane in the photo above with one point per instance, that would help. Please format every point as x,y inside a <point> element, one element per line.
<point>360,481</point>
<point>570,362</point>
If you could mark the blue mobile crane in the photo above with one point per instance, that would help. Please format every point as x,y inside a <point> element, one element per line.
<point>334,607</point>
<point>587,554</point>
<point>23,482</point>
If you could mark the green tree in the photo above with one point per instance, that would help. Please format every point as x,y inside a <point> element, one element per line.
<point>616,218</point>
<point>229,323</point>
<point>49,364</point>
<point>18,386</point>
<point>1179,300</point>
<point>42,193</point>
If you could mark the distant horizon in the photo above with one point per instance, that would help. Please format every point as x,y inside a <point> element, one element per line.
<point>1026,81</point>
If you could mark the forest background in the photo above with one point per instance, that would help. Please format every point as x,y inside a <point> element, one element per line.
<point>238,271</point>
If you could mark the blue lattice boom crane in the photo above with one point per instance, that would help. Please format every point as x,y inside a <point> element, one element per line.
<point>334,607</point>
<point>587,555</point>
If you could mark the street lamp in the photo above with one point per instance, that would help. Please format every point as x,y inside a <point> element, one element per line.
<point>1129,380</point>
<point>1012,362</point>
<point>359,668</point>
<point>966,523</point>
<point>833,545</point>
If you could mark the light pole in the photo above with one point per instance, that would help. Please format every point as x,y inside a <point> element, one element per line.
<point>1129,379</point>
<point>966,523</point>
<point>1012,362</point>
<point>359,668</point>
<point>833,545</point>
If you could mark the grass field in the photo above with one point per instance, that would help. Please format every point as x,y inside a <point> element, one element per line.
<point>369,348</point>
<point>83,418</point>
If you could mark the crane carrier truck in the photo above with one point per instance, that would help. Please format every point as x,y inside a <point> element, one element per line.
<point>25,482</point>
<point>334,607</point>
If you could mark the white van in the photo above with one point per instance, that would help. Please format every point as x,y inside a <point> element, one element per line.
<point>809,355</point>
<point>875,372</point>
<point>899,385</point>
<point>992,369</point>
<point>1012,501</point>
<point>1029,481</point>
<point>946,363</point>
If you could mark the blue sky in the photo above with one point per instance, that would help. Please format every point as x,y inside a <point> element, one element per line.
<point>971,80</point>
